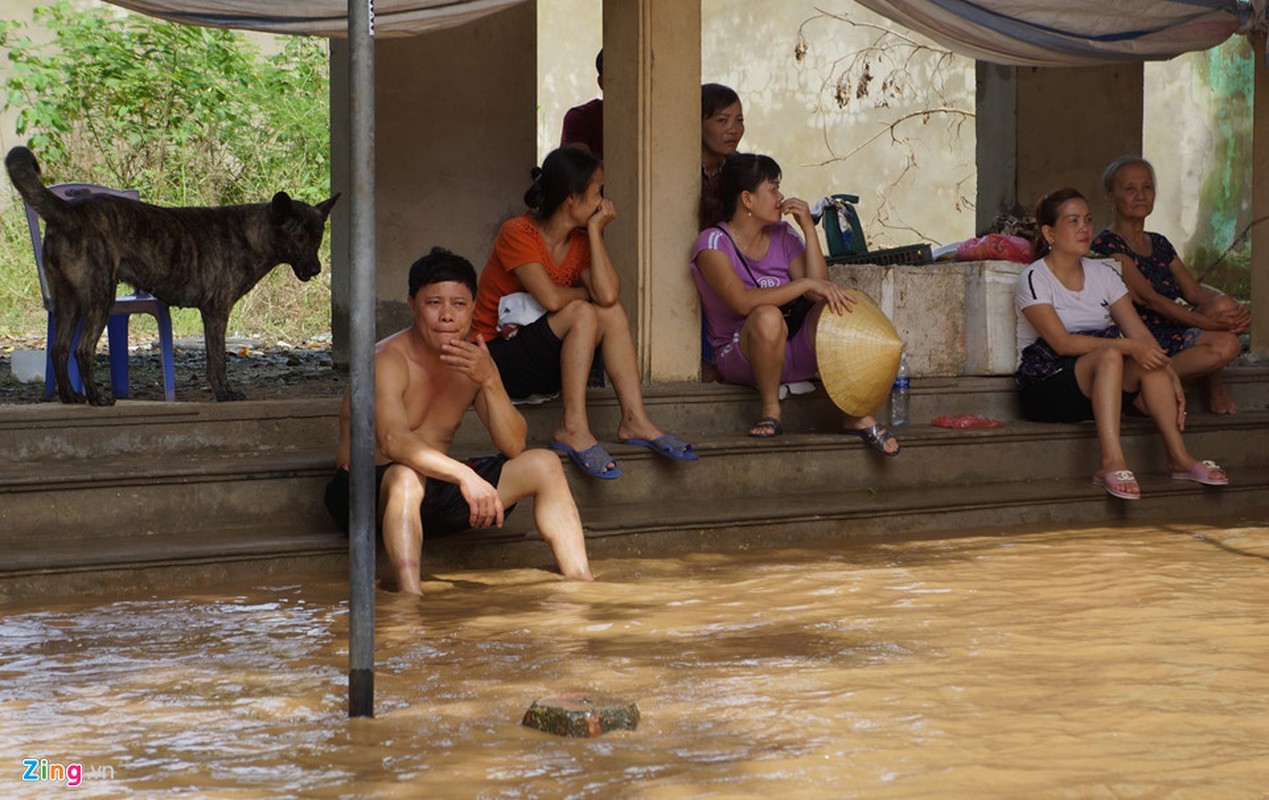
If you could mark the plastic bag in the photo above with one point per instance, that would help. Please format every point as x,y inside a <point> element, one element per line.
<point>515,311</point>
<point>995,247</point>
<point>965,421</point>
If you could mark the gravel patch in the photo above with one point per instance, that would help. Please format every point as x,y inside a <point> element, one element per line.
<point>261,371</point>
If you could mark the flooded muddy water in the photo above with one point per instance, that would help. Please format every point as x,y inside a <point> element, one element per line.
<point>1107,663</point>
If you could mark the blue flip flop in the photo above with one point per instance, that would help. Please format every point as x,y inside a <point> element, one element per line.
<point>592,460</point>
<point>668,445</point>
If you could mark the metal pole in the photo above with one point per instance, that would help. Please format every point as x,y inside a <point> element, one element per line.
<point>361,541</point>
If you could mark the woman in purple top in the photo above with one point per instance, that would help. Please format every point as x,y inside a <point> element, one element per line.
<point>748,265</point>
<point>1200,337</point>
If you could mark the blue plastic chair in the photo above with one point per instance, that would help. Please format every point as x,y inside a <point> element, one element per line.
<point>117,326</point>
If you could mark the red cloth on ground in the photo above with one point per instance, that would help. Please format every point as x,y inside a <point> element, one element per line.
<point>965,421</point>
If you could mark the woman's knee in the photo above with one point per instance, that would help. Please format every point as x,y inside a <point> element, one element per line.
<point>1224,345</point>
<point>579,315</point>
<point>766,323</point>
<point>1220,304</point>
<point>1106,359</point>
<point>608,316</point>
<point>1099,366</point>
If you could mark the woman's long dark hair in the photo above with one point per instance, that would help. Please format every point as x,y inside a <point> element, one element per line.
<point>1046,213</point>
<point>742,172</point>
<point>565,172</point>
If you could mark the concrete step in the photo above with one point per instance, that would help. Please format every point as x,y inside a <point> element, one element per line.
<point>741,523</point>
<point>52,432</point>
<point>93,496</point>
<point>121,498</point>
<point>116,499</point>
<point>741,467</point>
<point>50,566</point>
<point>117,567</point>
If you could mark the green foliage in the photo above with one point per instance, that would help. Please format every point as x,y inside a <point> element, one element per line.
<point>187,115</point>
<point>21,312</point>
<point>1229,271</point>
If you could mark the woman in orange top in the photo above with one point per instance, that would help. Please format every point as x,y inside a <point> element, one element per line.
<point>556,253</point>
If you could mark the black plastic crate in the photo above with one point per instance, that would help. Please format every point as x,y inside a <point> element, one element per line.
<point>907,255</point>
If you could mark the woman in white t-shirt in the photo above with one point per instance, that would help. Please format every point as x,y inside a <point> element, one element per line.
<point>1085,351</point>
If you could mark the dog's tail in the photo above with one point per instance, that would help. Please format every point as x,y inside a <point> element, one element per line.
<point>24,171</point>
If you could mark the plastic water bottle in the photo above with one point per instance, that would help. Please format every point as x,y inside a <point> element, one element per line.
<point>899,395</point>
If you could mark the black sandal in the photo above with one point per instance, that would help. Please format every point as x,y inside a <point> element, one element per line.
<point>876,436</point>
<point>766,424</point>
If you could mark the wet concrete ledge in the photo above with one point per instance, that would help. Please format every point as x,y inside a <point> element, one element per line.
<point>177,502</point>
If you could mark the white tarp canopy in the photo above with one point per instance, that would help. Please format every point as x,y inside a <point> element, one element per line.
<point>318,17</point>
<point>1063,33</point>
<point>1046,33</point>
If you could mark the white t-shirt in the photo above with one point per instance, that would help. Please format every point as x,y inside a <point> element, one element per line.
<point>1085,310</point>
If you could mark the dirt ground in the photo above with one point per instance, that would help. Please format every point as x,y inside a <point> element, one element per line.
<point>261,372</point>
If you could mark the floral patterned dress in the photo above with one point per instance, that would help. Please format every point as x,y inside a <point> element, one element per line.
<point>1156,267</point>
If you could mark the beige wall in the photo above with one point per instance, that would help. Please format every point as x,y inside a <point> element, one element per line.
<point>1071,123</point>
<point>790,113</point>
<point>570,33</point>
<point>454,145</point>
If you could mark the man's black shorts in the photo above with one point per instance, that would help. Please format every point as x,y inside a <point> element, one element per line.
<point>444,510</point>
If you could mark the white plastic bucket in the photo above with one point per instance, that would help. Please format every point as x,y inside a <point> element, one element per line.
<point>27,365</point>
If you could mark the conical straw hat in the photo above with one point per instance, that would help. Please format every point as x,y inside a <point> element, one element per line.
<point>858,353</point>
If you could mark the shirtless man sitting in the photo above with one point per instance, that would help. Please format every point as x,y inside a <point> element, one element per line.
<point>425,377</point>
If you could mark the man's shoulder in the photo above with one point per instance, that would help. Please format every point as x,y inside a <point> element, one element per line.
<point>393,357</point>
<point>392,343</point>
<point>587,108</point>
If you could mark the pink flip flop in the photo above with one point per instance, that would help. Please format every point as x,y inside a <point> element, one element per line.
<point>1110,481</point>
<point>1201,472</point>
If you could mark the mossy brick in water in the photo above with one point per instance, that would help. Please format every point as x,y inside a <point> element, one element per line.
<point>581,715</point>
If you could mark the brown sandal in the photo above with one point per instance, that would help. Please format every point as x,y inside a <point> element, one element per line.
<point>876,436</point>
<point>766,428</point>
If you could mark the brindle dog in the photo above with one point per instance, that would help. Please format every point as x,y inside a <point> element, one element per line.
<point>204,258</point>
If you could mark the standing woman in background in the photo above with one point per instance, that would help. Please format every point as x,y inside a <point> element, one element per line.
<point>722,128</point>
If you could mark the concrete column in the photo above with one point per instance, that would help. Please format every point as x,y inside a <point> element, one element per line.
<point>455,140</point>
<point>996,132</point>
<point>1260,205</point>
<point>652,153</point>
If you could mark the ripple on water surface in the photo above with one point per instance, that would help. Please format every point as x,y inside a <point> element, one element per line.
<point>1091,663</point>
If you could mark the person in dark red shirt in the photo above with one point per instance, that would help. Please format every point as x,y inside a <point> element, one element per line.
<point>584,124</point>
